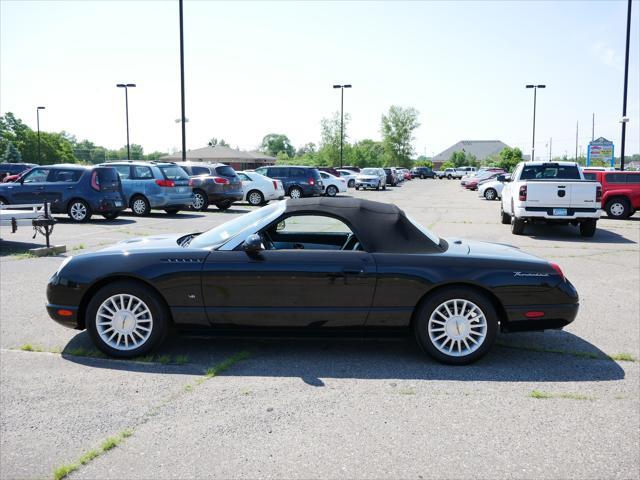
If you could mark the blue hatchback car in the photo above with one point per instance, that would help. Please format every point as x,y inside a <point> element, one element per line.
<point>154,186</point>
<point>76,190</point>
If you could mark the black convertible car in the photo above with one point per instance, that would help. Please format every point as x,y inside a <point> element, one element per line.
<point>312,265</point>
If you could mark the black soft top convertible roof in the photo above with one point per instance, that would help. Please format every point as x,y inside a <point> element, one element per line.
<point>380,227</point>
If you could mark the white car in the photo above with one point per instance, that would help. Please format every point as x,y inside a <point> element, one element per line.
<point>332,185</point>
<point>258,189</point>
<point>349,176</point>
<point>371,177</point>
<point>492,190</point>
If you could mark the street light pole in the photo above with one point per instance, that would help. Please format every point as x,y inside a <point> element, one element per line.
<point>183,119</point>
<point>626,82</point>
<point>126,87</point>
<point>533,141</point>
<point>38,122</point>
<point>341,87</point>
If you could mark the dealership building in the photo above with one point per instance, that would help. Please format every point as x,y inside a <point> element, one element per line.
<point>481,149</point>
<point>237,159</point>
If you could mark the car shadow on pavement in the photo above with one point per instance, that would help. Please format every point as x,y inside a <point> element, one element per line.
<point>568,233</point>
<point>96,220</point>
<point>162,214</point>
<point>555,356</point>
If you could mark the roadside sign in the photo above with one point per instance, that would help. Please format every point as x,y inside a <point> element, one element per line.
<point>600,150</point>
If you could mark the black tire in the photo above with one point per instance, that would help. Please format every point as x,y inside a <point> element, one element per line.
<point>384,187</point>
<point>79,211</point>
<point>490,194</point>
<point>111,216</point>
<point>588,227</point>
<point>224,205</point>
<point>618,208</point>
<point>200,200</point>
<point>140,206</point>
<point>430,304</point>
<point>422,177</point>
<point>255,198</point>
<point>351,184</point>
<point>505,218</point>
<point>378,186</point>
<point>295,192</point>
<point>3,201</point>
<point>152,300</point>
<point>172,211</point>
<point>357,187</point>
<point>517,226</point>
<point>449,177</point>
<point>331,191</point>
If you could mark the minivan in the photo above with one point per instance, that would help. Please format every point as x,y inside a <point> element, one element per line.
<point>298,181</point>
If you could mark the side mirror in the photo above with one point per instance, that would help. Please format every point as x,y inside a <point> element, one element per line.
<point>501,178</point>
<point>280,226</point>
<point>253,244</point>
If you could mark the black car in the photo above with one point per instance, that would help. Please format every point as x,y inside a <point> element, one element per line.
<point>7,168</point>
<point>216,184</point>
<point>422,172</point>
<point>298,182</point>
<point>312,265</point>
<point>76,190</point>
<point>392,176</point>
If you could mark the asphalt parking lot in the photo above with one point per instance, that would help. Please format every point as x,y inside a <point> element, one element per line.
<point>560,404</point>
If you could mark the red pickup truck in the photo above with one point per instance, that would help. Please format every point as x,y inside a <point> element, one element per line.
<point>620,191</point>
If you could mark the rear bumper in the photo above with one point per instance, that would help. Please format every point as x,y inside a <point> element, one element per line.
<point>546,213</point>
<point>555,317</point>
<point>171,200</point>
<point>221,196</point>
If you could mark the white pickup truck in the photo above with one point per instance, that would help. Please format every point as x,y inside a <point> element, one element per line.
<point>550,192</point>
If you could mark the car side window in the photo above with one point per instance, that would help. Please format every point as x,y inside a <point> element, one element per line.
<point>262,171</point>
<point>296,172</point>
<point>141,172</point>
<point>633,178</point>
<point>196,170</point>
<point>311,232</point>
<point>37,175</point>
<point>66,176</point>
<point>243,177</point>
<point>123,170</point>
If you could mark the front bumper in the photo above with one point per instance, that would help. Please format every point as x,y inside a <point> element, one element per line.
<point>69,317</point>
<point>368,183</point>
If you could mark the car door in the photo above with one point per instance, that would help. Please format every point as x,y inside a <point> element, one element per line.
<point>291,287</point>
<point>30,187</point>
<point>62,185</point>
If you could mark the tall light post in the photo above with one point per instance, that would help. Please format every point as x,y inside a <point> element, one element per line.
<point>625,119</point>
<point>126,87</point>
<point>183,116</point>
<point>38,123</point>
<point>533,142</point>
<point>341,87</point>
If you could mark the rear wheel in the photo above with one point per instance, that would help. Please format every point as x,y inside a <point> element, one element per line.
<point>588,228</point>
<point>449,177</point>
<point>351,184</point>
<point>517,226</point>
<point>357,187</point>
<point>224,205</point>
<point>456,325</point>
<point>490,194</point>
<point>295,192</point>
<point>3,201</point>
<point>79,211</point>
<point>255,198</point>
<point>618,208</point>
<point>378,186</point>
<point>505,218</point>
<point>126,319</point>
<point>332,191</point>
<point>140,206</point>
<point>200,200</point>
<point>422,177</point>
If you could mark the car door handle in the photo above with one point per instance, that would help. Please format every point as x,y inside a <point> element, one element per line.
<point>353,271</point>
<point>69,188</point>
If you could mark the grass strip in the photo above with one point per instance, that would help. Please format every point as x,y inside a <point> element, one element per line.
<point>567,396</point>
<point>109,444</point>
<point>621,357</point>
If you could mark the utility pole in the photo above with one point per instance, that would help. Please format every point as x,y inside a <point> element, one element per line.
<point>576,141</point>
<point>626,82</point>
<point>593,126</point>
<point>550,144</point>
<point>182,119</point>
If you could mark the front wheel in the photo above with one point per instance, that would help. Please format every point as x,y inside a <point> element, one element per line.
<point>295,192</point>
<point>3,201</point>
<point>200,200</point>
<point>490,194</point>
<point>140,206</point>
<point>588,227</point>
<point>517,226</point>
<point>79,211</point>
<point>505,218</point>
<point>126,319</point>
<point>351,184</point>
<point>255,198</point>
<point>357,187</point>
<point>449,177</point>
<point>456,325</point>
<point>332,191</point>
<point>618,208</point>
<point>378,186</point>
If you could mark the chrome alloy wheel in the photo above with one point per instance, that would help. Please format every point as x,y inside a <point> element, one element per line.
<point>457,327</point>
<point>198,200</point>
<point>78,211</point>
<point>617,209</point>
<point>139,206</point>
<point>124,322</point>
<point>255,198</point>
<point>295,193</point>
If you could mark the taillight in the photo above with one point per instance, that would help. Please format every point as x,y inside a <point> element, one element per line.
<point>312,181</point>
<point>221,181</point>
<point>95,181</point>
<point>557,269</point>
<point>275,184</point>
<point>165,183</point>
<point>522,194</point>
<point>191,182</point>
<point>598,193</point>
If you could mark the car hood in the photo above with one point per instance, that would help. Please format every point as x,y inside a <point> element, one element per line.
<point>145,243</point>
<point>367,177</point>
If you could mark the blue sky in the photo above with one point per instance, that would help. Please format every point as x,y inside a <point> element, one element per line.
<point>258,67</point>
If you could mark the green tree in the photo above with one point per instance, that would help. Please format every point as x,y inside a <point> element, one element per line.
<point>366,153</point>
<point>509,158</point>
<point>423,163</point>
<point>274,143</point>
<point>306,149</point>
<point>11,154</point>
<point>397,135</point>
<point>329,152</point>
<point>214,142</point>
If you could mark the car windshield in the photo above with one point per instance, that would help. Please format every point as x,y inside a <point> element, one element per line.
<point>551,171</point>
<point>369,171</point>
<point>425,231</point>
<point>223,233</point>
